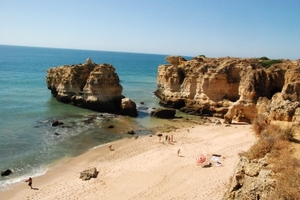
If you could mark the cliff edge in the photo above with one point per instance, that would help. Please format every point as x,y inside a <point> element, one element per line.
<point>231,88</point>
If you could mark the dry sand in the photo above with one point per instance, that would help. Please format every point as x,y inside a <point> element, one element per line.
<point>145,168</point>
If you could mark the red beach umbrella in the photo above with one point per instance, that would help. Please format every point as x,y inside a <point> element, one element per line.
<point>200,158</point>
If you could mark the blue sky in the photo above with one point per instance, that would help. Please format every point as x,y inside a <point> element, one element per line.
<point>215,28</point>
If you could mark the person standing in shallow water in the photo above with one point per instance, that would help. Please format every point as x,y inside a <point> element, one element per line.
<point>29,182</point>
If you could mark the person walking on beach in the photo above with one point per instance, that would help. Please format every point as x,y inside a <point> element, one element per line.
<point>110,147</point>
<point>29,182</point>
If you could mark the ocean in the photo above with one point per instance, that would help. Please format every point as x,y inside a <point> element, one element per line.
<point>28,142</point>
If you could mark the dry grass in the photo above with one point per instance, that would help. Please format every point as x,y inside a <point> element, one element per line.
<point>259,124</point>
<point>277,144</point>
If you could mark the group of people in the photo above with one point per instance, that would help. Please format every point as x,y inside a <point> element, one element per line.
<point>168,139</point>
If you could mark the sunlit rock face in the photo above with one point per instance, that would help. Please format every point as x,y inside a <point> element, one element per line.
<point>230,87</point>
<point>89,85</point>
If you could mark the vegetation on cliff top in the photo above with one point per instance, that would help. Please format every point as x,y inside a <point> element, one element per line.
<point>277,144</point>
<point>266,62</point>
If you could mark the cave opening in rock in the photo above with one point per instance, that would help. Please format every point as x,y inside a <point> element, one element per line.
<point>274,91</point>
<point>181,76</point>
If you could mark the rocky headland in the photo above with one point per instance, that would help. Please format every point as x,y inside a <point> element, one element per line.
<point>231,88</point>
<point>260,91</point>
<point>89,85</point>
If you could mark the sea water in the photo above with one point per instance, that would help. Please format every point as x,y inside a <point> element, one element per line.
<point>28,141</point>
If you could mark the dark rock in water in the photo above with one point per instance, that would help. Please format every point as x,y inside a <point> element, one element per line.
<point>128,107</point>
<point>142,103</point>
<point>56,134</point>
<point>110,126</point>
<point>164,113</point>
<point>57,123</point>
<point>88,174</point>
<point>131,132</point>
<point>6,172</point>
<point>66,127</point>
<point>90,120</point>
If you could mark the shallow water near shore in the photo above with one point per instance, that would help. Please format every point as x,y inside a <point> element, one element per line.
<point>29,143</point>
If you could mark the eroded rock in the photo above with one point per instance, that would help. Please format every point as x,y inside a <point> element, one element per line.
<point>251,180</point>
<point>88,174</point>
<point>93,86</point>
<point>231,88</point>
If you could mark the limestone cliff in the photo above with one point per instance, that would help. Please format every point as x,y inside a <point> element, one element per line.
<point>231,88</point>
<point>89,85</point>
<point>251,180</point>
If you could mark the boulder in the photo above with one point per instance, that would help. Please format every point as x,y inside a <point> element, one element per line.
<point>131,132</point>
<point>128,107</point>
<point>57,123</point>
<point>164,113</point>
<point>88,174</point>
<point>6,172</point>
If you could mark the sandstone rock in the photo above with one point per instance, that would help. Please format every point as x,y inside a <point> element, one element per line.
<point>230,88</point>
<point>88,61</point>
<point>164,113</point>
<point>251,181</point>
<point>88,174</point>
<point>93,86</point>
<point>175,60</point>
<point>128,107</point>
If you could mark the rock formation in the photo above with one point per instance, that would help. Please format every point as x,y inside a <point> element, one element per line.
<point>232,88</point>
<point>128,107</point>
<point>6,172</point>
<point>251,180</point>
<point>89,85</point>
<point>163,113</point>
<point>88,174</point>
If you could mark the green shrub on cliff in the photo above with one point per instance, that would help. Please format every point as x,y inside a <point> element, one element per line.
<point>266,62</point>
<point>264,58</point>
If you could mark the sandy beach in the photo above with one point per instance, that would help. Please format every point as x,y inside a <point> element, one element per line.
<point>145,168</point>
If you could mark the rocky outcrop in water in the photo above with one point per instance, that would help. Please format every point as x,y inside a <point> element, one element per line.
<point>89,85</point>
<point>164,113</point>
<point>6,172</point>
<point>232,88</point>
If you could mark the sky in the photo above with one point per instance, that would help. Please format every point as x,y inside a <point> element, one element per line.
<point>214,28</point>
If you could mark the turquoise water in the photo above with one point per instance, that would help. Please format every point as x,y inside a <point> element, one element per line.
<point>28,142</point>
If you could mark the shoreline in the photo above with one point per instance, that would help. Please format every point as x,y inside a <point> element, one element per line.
<point>144,168</point>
